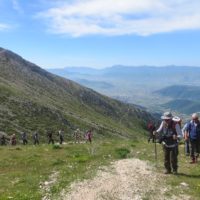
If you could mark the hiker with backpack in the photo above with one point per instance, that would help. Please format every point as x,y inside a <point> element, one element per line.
<point>77,135</point>
<point>3,140</point>
<point>151,128</point>
<point>193,131</point>
<point>13,140</point>
<point>177,120</point>
<point>89,136</point>
<point>35,138</point>
<point>61,136</point>
<point>50,137</point>
<point>24,138</point>
<point>170,133</point>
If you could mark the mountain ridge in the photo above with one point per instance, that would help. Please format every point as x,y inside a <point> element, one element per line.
<point>33,99</point>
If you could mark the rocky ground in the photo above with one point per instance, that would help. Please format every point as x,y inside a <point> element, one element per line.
<point>128,179</point>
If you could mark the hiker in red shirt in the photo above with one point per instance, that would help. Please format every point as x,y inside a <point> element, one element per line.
<point>89,136</point>
<point>151,128</point>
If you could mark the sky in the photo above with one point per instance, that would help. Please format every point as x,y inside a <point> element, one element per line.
<point>102,33</point>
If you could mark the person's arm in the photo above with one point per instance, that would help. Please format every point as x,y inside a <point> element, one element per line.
<point>178,131</point>
<point>160,128</point>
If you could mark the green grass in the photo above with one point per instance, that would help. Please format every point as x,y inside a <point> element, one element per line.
<point>187,173</point>
<point>23,168</point>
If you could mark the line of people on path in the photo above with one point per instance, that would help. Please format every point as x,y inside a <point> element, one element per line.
<point>77,135</point>
<point>169,134</point>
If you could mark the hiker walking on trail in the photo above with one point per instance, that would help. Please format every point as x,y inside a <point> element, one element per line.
<point>61,136</point>
<point>193,130</point>
<point>36,138</point>
<point>50,137</point>
<point>186,139</point>
<point>88,136</point>
<point>77,135</point>
<point>3,140</point>
<point>151,128</point>
<point>13,140</point>
<point>170,133</point>
<point>24,138</point>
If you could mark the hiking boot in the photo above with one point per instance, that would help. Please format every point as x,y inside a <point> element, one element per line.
<point>167,172</point>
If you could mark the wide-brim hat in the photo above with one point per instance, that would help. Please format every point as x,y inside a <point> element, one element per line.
<point>176,119</point>
<point>167,115</point>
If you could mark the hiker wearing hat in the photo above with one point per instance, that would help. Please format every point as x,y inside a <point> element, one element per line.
<point>193,130</point>
<point>170,133</point>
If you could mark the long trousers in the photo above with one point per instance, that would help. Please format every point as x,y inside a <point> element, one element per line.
<point>171,158</point>
<point>194,148</point>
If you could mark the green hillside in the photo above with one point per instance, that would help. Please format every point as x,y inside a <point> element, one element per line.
<point>183,106</point>
<point>34,99</point>
<point>185,98</point>
<point>181,92</point>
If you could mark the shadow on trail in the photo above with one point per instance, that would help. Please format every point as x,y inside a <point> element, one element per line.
<point>189,175</point>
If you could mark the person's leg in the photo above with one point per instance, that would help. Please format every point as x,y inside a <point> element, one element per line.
<point>174,159</point>
<point>196,151</point>
<point>192,149</point>
<point>167,160</point>
<point>187,148</point>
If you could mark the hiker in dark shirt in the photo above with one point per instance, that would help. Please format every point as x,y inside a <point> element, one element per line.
<point>50,137</point>
<point>36,138</point>
<point>170,134</point>
<point>24,138</point>
<point>3,140</point>
<point>61,136</point>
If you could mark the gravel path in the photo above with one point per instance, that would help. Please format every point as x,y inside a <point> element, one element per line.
<point>128,179</point>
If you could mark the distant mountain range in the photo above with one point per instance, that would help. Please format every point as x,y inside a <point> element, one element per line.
<point>185,99</point>
<point>34,99</point>
<point>137,85</point>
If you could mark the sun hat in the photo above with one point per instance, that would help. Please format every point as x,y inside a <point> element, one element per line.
<point>176,119</point>
<point>167,115</point>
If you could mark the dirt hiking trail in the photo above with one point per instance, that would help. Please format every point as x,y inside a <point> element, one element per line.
<point>128,179</point>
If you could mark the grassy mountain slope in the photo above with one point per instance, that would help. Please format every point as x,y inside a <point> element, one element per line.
<point>183,106</point>
<point>34,99</point>
<point>181,92</point>
<point>185,98</point>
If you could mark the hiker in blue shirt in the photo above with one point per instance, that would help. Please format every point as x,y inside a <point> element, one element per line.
<point>193,130</point>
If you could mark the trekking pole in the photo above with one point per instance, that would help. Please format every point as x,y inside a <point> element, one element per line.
<point>155,148</point>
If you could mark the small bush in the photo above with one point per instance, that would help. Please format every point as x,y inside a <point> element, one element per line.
<point>58,162</point>
<point>57,146</point>
<point>122,152</point>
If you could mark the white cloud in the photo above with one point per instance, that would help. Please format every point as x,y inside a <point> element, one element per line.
<point>120,17</point>
<point>4,27</point>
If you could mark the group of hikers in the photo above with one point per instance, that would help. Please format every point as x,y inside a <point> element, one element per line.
<point>77,135</point>
<point>170,133</point>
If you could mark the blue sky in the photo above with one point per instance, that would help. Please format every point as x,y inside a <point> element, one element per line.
<point>102,33</point>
